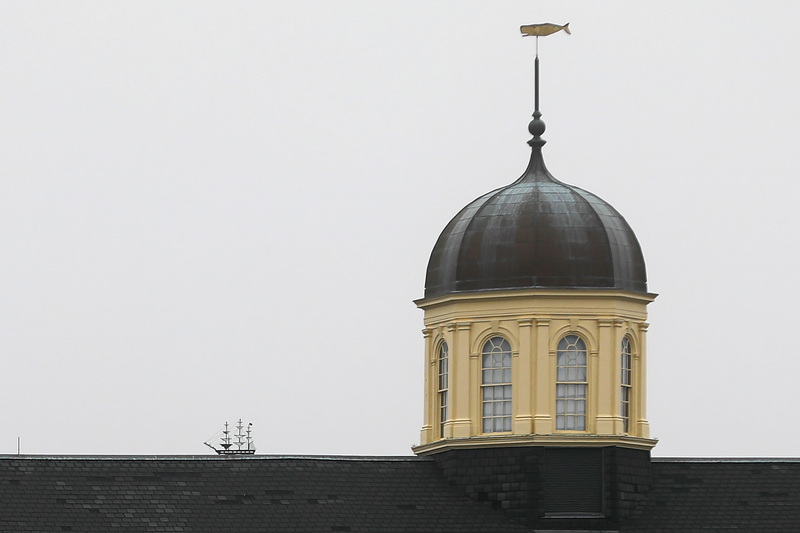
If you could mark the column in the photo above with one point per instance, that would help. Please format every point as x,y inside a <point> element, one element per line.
<point>521,380</point>
<point>603,379</point>
<point>426,434</point>
<point>640,384</point>
<point>544,383</point>
<point>461,386</point>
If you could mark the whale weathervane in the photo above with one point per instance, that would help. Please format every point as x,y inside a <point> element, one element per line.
<point>540,30</point>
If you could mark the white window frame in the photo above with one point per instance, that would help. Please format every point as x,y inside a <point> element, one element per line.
<point>496,391</point>
<point>626,382</point>
<point>443,367</point>
<point>572,375</point>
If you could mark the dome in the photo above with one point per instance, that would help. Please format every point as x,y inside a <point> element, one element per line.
<point>537,232</point>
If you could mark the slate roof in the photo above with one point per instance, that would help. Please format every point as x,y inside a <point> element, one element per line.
<point>724,494</point>
<point>358,494</point>
<point>243,495</point>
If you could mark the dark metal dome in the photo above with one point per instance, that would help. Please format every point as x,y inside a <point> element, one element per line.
<point>536,233</point>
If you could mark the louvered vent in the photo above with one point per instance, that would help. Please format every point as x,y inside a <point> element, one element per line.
<point>573,482</point>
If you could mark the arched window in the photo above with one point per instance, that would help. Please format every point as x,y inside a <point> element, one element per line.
<point>625,380</point>
<point>496,385</point>
<point>571,384</point>
<point>443,386</point>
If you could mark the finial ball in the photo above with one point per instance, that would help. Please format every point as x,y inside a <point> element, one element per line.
<point>536,127</point>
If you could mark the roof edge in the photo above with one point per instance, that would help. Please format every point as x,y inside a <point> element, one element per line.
<point>524,292</point>
<point>361,458</point>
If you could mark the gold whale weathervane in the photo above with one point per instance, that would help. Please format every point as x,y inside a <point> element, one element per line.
<point>540,30</point>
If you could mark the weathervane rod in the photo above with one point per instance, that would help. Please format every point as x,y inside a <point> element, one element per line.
<point>540,30</point>
<point>536,77</point>
<point>536,127</point>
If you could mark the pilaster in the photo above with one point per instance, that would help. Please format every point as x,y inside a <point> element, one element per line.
<point>461,373</point>
<point>522,385</point>
<point>603,391</point>
<point>640,383</point>
<point>544,389</point>
<point>426,433</point>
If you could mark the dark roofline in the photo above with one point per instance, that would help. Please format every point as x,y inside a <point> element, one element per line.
<point>355,458</point>
<point>725,459</point>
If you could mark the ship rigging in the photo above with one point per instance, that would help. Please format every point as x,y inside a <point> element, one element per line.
<point>240,443</point>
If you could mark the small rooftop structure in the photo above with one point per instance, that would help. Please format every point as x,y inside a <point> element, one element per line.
<point>240,444</point>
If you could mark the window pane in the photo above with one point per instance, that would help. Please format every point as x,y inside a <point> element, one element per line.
<point>625,382</point>
<point>443,353</point>
<point>495,381</point>
<point>571,376</point>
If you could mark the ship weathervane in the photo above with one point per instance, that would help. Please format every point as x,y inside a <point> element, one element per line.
<point>242,445</point>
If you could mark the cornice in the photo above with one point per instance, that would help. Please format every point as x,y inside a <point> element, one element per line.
<point>566,440</point>
<point>517,294</point>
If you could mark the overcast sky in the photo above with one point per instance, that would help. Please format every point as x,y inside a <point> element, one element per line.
<point>214,210</point>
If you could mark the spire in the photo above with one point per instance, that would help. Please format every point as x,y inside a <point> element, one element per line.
<point>537,126</point>
<point>536,168</point>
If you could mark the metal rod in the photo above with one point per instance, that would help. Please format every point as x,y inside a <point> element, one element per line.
<point>536,83</point>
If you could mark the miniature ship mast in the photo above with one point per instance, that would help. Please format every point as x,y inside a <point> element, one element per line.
<point>242,445</point>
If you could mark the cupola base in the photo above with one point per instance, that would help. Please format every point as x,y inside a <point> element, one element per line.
<point>553,488</point>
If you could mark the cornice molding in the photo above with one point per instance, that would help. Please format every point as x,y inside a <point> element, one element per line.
<point>568,440</point>
<point>425,303</point>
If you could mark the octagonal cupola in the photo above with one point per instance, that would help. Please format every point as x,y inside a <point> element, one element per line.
<point>535,320</point>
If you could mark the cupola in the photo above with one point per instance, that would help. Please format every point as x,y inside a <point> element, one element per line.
<point>535,320</point>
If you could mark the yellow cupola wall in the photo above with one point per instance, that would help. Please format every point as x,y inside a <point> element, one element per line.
<point>535,321</point>
<point>587,406</point>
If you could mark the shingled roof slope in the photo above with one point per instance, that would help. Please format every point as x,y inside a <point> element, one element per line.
<point>251,494</point>
<point>722,494</point>
<point>358,494</point>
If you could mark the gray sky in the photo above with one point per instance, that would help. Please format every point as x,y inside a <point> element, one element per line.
<point>214,210</point>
